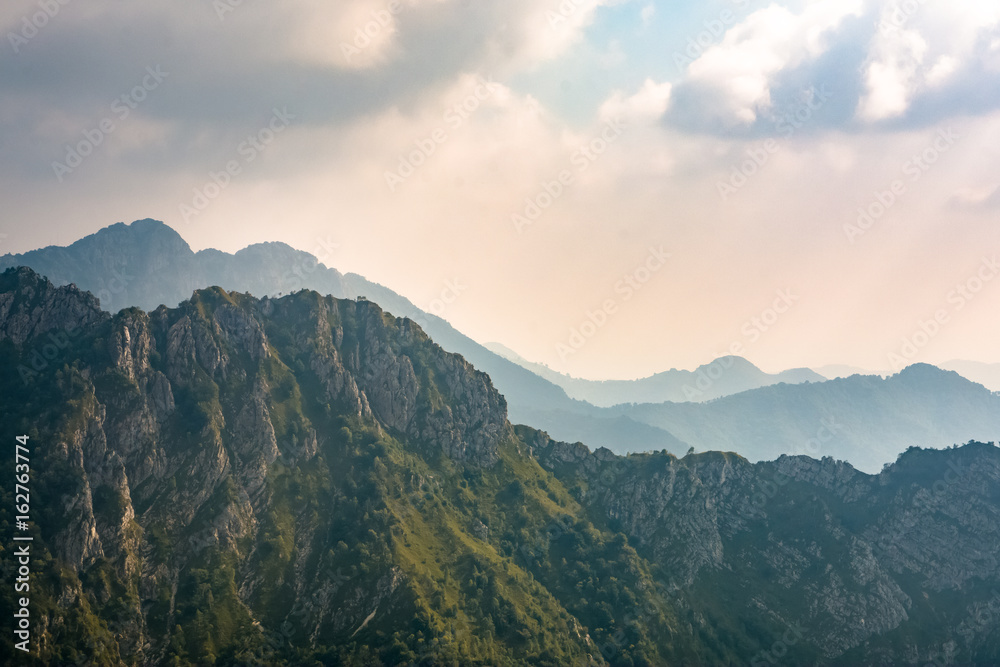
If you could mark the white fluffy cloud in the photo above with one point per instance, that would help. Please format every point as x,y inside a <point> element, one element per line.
<point>891,77</point>
<point>921,46</point>
<point>741,69</point>
<point>646,105</point>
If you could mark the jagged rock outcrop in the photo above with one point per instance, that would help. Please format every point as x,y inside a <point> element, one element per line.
<point>36,307</point>
<point>172,435</point>
<point>252,436</point>
<point>716,516</point>
<point>469,427</point>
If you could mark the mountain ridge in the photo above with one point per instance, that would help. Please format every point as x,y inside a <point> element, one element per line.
<point>276,268</point>
<point>865,419</point>
<point>720,377</point>
<point>148,263</point>
<point>310,479</point>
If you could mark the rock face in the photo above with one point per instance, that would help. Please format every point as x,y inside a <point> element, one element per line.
<point>851,557</point>
<point>311,480</point>
<point>173,426</point>
<point>33,308</point>
<point>365,361</point>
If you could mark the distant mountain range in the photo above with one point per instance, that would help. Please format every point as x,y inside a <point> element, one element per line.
<point>987,375</point>
<point>722,377</point>
<point>866,420</point>
<point>728,404</point>
<point>834,371</point>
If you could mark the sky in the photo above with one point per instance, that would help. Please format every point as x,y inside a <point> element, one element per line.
<point>612,188</point>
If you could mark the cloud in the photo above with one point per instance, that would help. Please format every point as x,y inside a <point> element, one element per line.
<point>550,27</point>
<point>648,104</point>
<point>891,78</point>
<point>331,64</point>
<point>731,82</point>
<point>647,13</point>
<point>920,51</point>
<point>897,64</point>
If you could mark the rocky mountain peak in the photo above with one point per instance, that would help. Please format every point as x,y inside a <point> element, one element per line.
<point>31,306</point>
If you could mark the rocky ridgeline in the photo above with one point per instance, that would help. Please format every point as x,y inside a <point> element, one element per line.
<point>123,447</point>
<point>851,557</point>
<point>31,307</point>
